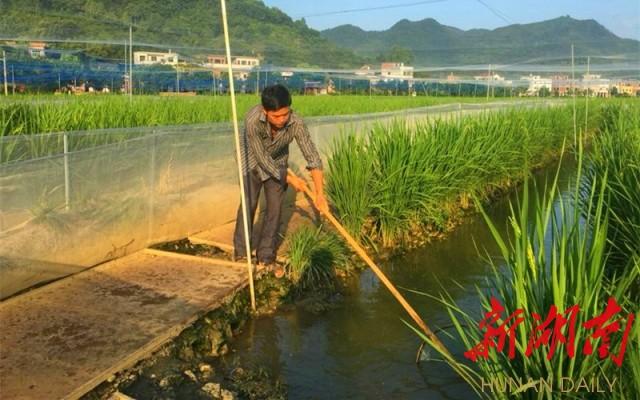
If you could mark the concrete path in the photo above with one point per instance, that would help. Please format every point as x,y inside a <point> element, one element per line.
<point>65,338</point>
<point>62,340</point>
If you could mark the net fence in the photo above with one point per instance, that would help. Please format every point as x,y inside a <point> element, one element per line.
<point>113,192</point>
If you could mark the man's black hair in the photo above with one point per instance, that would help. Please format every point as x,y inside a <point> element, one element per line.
<point>275,97</point>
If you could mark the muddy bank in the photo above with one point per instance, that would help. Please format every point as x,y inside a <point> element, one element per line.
<point>184,368</point>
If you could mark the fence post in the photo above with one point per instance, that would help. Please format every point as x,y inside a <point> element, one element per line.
<point>67,200</point>
<point>152,181</point>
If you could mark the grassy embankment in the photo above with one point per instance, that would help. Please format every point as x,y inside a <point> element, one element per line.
<point>398,186</point>
<point>581,252</point>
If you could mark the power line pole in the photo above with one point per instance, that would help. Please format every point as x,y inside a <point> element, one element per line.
<point>4,68</point>
<point>126,77</point>
<point>131,61</point>
<point>488,82</point>
<point>258,83</point>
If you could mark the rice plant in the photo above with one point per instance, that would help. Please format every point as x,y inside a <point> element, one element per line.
<point>36,115</point>
<point>616,155</point>
<point>313,257</point>
<point>560,260</point>
<point>350,190</point>
<point>399,180</point>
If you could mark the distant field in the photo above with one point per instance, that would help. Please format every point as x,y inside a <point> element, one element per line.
<point>42,114</point>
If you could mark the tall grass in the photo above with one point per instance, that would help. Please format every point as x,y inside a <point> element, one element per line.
<point>558,260</point>
<point>313,256</point>
<point>561,260</point>
<point>399,180</point>
<point>616,157</point>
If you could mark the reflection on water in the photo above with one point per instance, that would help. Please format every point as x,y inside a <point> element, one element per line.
<point>363,349</point>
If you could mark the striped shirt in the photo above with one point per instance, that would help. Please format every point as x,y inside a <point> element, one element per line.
<point>269,156</point>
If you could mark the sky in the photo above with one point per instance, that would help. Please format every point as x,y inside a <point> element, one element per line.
<point>622,17</point>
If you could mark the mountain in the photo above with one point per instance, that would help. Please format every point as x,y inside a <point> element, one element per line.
<point>433,44</point>
<point>189,27</point>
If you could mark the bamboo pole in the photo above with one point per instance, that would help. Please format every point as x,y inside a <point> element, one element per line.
<point>360,251</point>
<point>245,217</point>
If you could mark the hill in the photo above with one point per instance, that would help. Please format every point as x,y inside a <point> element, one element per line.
<point>190,27</point>
<point>429,43</point>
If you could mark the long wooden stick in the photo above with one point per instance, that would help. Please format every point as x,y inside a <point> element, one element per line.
<point>360,251</point>
<point>236,134</point>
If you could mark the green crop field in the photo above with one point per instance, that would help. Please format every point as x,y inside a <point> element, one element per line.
<point>43,114</point>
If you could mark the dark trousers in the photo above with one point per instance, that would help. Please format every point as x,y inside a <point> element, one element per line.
<point>274,191</point>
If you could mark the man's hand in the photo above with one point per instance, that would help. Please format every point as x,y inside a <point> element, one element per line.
<point>295,182</point>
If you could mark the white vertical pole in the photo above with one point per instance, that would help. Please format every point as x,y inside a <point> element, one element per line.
<point>126,61</point>
<point>586,110</point>
<point>243,199</point>
<point>67,199</point>
<point>4,68</point>
<point>130,61</point>
<point>258,83</point>
<point>152,183</point>
<point>488,82</point>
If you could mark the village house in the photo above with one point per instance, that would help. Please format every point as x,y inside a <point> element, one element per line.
<point>318,88</point>
<point>628,88</point>
<point>37,49</point>
<point>561,85</point>
<point>241,65</point>
<point>394,70</point>
<point>595,86</point>
<point>152,58</point>
<point>537,84</point>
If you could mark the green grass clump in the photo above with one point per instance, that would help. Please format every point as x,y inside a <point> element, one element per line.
<point>313,256</point>
<point>399,179</point>
<point>44,114</point>
<point>615,159</point>
<point>562,259</point>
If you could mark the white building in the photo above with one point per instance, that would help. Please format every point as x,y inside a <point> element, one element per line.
<point>241,65</point>
<point>151,58</point>
<point>37,49</point>
<point>536,83</point>
<point>595,86</point>
<point>393,70</point>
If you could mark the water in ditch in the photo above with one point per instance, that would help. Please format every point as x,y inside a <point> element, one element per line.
<point>362,348</point>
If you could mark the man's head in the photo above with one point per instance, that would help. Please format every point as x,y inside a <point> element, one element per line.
<point>276,101</point>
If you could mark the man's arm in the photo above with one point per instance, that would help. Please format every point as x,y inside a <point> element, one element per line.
<point>314,164</point>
